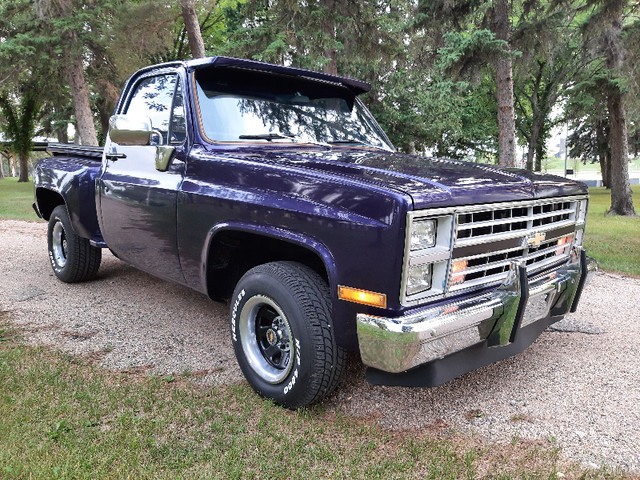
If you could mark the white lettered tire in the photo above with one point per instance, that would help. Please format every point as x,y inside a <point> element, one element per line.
<point>283,336</point>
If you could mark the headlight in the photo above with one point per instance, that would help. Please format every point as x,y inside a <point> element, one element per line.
<point>419,279</point>
<point>426,255</point>
<point>423,234</point>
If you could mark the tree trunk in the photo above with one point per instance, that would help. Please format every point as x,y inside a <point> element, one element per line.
<point>104,115</point>
<point>24,168</point>
<point>602,141</point>
<point>533,145</point>
<point>621,199</point>
<point>329,31</point>
<point>193,28</point>
<point>62,135</point>
<point>1,169</point>
<point>604,169</point>
<point>540,151</point>
<point>80,94</point>
<point>504,90</point>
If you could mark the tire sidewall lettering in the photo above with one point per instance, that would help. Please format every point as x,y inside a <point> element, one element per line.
<point>294,376</point>
<point>234,314</point>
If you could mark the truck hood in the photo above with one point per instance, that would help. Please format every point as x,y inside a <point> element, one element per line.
<point>429,182</point>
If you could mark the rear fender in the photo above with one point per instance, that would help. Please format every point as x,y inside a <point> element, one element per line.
<point>69,182</point>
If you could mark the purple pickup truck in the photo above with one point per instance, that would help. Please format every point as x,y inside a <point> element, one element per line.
<point>275,190</point>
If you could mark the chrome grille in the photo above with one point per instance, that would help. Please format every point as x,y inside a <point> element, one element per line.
<point>511,219</point>
<point>487,239</point>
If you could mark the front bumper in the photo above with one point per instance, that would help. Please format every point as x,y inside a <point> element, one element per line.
<point>487,327</point>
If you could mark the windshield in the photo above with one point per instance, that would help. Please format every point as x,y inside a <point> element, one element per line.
<point>240,105</point>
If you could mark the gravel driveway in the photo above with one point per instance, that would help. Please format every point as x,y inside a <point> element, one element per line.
<point>578,385</point>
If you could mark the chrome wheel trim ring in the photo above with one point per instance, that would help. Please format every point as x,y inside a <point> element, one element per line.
<point>250,339</point>
<point>59,244</point>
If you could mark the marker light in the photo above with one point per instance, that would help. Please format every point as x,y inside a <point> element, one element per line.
<point>364,297</point>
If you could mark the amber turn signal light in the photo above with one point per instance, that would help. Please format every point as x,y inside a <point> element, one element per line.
<point>364,297</point>
<point>456,268</point>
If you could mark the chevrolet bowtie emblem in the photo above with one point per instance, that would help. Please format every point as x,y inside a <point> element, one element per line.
<point>537,239</point>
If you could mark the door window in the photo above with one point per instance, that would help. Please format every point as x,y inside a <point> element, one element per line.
<point>156,98</point>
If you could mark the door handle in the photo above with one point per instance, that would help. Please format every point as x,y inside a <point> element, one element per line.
<point>114,156</point>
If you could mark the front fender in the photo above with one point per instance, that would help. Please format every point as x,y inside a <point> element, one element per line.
<point>300,239</point>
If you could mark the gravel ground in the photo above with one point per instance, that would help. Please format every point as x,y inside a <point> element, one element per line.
<point>578,385</point>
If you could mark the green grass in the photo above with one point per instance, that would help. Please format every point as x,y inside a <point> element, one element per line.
<point>16,200</point>
<point>613,241</point>
<point>63,417</point>
<point>556,165</point>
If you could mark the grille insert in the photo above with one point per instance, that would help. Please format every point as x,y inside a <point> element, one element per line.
<point>488,239</point>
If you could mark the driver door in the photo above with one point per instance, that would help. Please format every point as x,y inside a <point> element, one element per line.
<point>137,202</point>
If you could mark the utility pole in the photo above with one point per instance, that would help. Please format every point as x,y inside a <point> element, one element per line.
<point>566,147</point>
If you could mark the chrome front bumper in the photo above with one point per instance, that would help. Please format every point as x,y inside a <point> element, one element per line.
<point>402,343</point>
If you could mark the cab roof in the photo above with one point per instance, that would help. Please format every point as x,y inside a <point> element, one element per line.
<point>356,86</point>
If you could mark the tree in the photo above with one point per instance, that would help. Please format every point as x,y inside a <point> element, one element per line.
<point>69,22</point>
<point>20,112</point>
<point>552,60</point>
<point>192,26</point>
<point>501,27</point>
<point>587,115</point>
<point>38,42</point>
<point>608,21</point>
<point>621,195</point>
<point>468,18</point>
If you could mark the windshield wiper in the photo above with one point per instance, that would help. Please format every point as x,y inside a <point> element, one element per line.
<point>266,136</point>
<point>352,142</point>
<point>281,136</point>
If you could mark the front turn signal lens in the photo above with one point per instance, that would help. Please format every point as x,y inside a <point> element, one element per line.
<point>562,244</point>
<point>456,268</point>
<point>364,297</point>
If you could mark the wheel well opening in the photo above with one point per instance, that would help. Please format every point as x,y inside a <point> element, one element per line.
<point>47,201</point>
<point>232,253</point>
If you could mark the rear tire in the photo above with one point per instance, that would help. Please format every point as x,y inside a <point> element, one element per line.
<point>73,258</point>
<point>283,335</point>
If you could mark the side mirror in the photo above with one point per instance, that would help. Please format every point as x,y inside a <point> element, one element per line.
<point>124,130</point>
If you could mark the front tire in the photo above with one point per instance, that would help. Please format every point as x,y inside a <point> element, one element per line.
<point>73,258</point>
<point>283,334</point>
